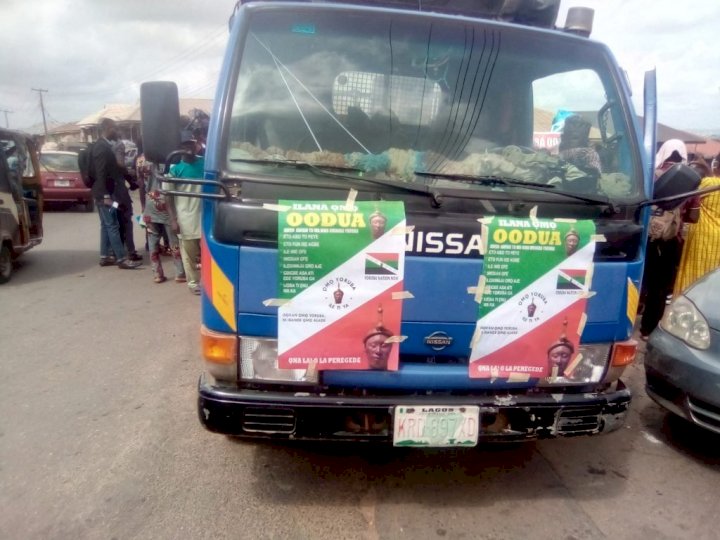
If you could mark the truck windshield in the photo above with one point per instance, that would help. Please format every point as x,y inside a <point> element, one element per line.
<point>395,95</point>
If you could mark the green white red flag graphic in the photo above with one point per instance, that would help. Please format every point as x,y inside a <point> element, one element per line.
<point>338,270</point>
<point>537,278</point>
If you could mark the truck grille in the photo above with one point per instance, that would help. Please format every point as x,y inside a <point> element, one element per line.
<point>262,420</point>
<point>578,422</point>
<point>705,414</point>
<point>425,359</point>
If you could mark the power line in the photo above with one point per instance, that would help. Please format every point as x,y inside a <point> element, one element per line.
<point>182,56</point>
<point>42,106</point>
<point>7,124</point>
<point>180,59</point>
<point>173,63</point>
<point>210,82</point>
<point>54,122</point>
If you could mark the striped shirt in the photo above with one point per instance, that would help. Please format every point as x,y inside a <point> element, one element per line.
<point>701,253</point>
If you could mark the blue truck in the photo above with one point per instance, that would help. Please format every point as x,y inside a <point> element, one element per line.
<point>464,112</point>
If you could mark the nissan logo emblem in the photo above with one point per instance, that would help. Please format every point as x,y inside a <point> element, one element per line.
<point>437,341</point>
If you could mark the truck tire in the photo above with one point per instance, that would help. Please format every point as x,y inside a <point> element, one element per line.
<point>90,205</point>
<point>5,264</point>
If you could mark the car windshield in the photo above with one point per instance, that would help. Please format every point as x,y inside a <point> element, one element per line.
<point>449,98</point>
<point>59,162</point>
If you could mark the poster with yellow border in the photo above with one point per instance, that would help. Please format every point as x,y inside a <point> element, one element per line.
<point>339,268</point>
<point>537,277</point>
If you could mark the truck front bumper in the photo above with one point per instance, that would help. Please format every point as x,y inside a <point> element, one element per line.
<point>316,416</point>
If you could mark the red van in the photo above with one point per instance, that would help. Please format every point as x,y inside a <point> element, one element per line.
<point>61,179</point>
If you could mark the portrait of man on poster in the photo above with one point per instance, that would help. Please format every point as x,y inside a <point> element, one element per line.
<point>376,346</point>
<point>377,349</point>
<point>559,355</point>
<point>572,240</point>
<point>378,222</point>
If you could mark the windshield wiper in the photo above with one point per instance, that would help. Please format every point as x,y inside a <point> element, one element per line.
<point>495,181</point>
<point>483,180</point>
<point>295,163</point>
<point>327,170</point>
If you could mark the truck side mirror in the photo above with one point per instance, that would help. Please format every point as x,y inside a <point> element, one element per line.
<point>677,181</point>
<point>160,115</point>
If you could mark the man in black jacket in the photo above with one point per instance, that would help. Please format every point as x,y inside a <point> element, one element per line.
<point>109,192</point>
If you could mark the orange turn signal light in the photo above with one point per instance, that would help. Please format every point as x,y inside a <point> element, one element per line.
<point>218,347</point>
<point>624,353</point>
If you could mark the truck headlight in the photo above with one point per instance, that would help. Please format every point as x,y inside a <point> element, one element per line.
<point>684,321</point>
<point>219,350</point>
<point>589,366</point>
<point>258,362</point>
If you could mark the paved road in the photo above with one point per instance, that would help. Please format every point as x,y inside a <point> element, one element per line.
<point>99,439</point>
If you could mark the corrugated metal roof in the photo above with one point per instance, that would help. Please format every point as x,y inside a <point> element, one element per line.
<point>72,127</point>
<point>665,133</point>
<point>187,104</point>
<point>121,112</point>
<point>117,111</point>
<point>708,149</point>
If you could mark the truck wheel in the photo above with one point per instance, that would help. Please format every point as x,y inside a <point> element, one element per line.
<point>90,205</point>
<point>5,264</point>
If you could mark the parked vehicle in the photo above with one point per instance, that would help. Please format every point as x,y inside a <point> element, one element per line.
<point>21,199</point>
<point>682,361</point>
<point>71,146</point>
<point>376,182</point>
<point>131,152</point>
<point>61,179</point>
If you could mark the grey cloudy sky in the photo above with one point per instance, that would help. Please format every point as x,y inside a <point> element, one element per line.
<point>88,53</point>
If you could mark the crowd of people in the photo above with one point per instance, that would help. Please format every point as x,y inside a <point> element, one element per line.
<point>172,223</point>
<point>683,243</point>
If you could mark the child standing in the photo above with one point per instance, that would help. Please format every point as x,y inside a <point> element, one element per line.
<point>157,221</point>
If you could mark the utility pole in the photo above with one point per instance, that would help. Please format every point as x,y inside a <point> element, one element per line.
<point>42,107</point>
<point>7,124</point>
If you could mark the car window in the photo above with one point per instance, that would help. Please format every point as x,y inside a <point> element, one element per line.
<point>59,162</point>
<point>4,173</point>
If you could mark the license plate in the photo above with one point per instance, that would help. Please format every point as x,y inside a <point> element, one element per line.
<point>436,425</point>
<point>62,183</point>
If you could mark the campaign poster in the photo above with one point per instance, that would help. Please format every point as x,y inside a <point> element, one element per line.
<point>341,276</point>
<point>537,277</point>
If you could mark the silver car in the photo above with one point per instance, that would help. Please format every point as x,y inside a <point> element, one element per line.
<point>682,361</point>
